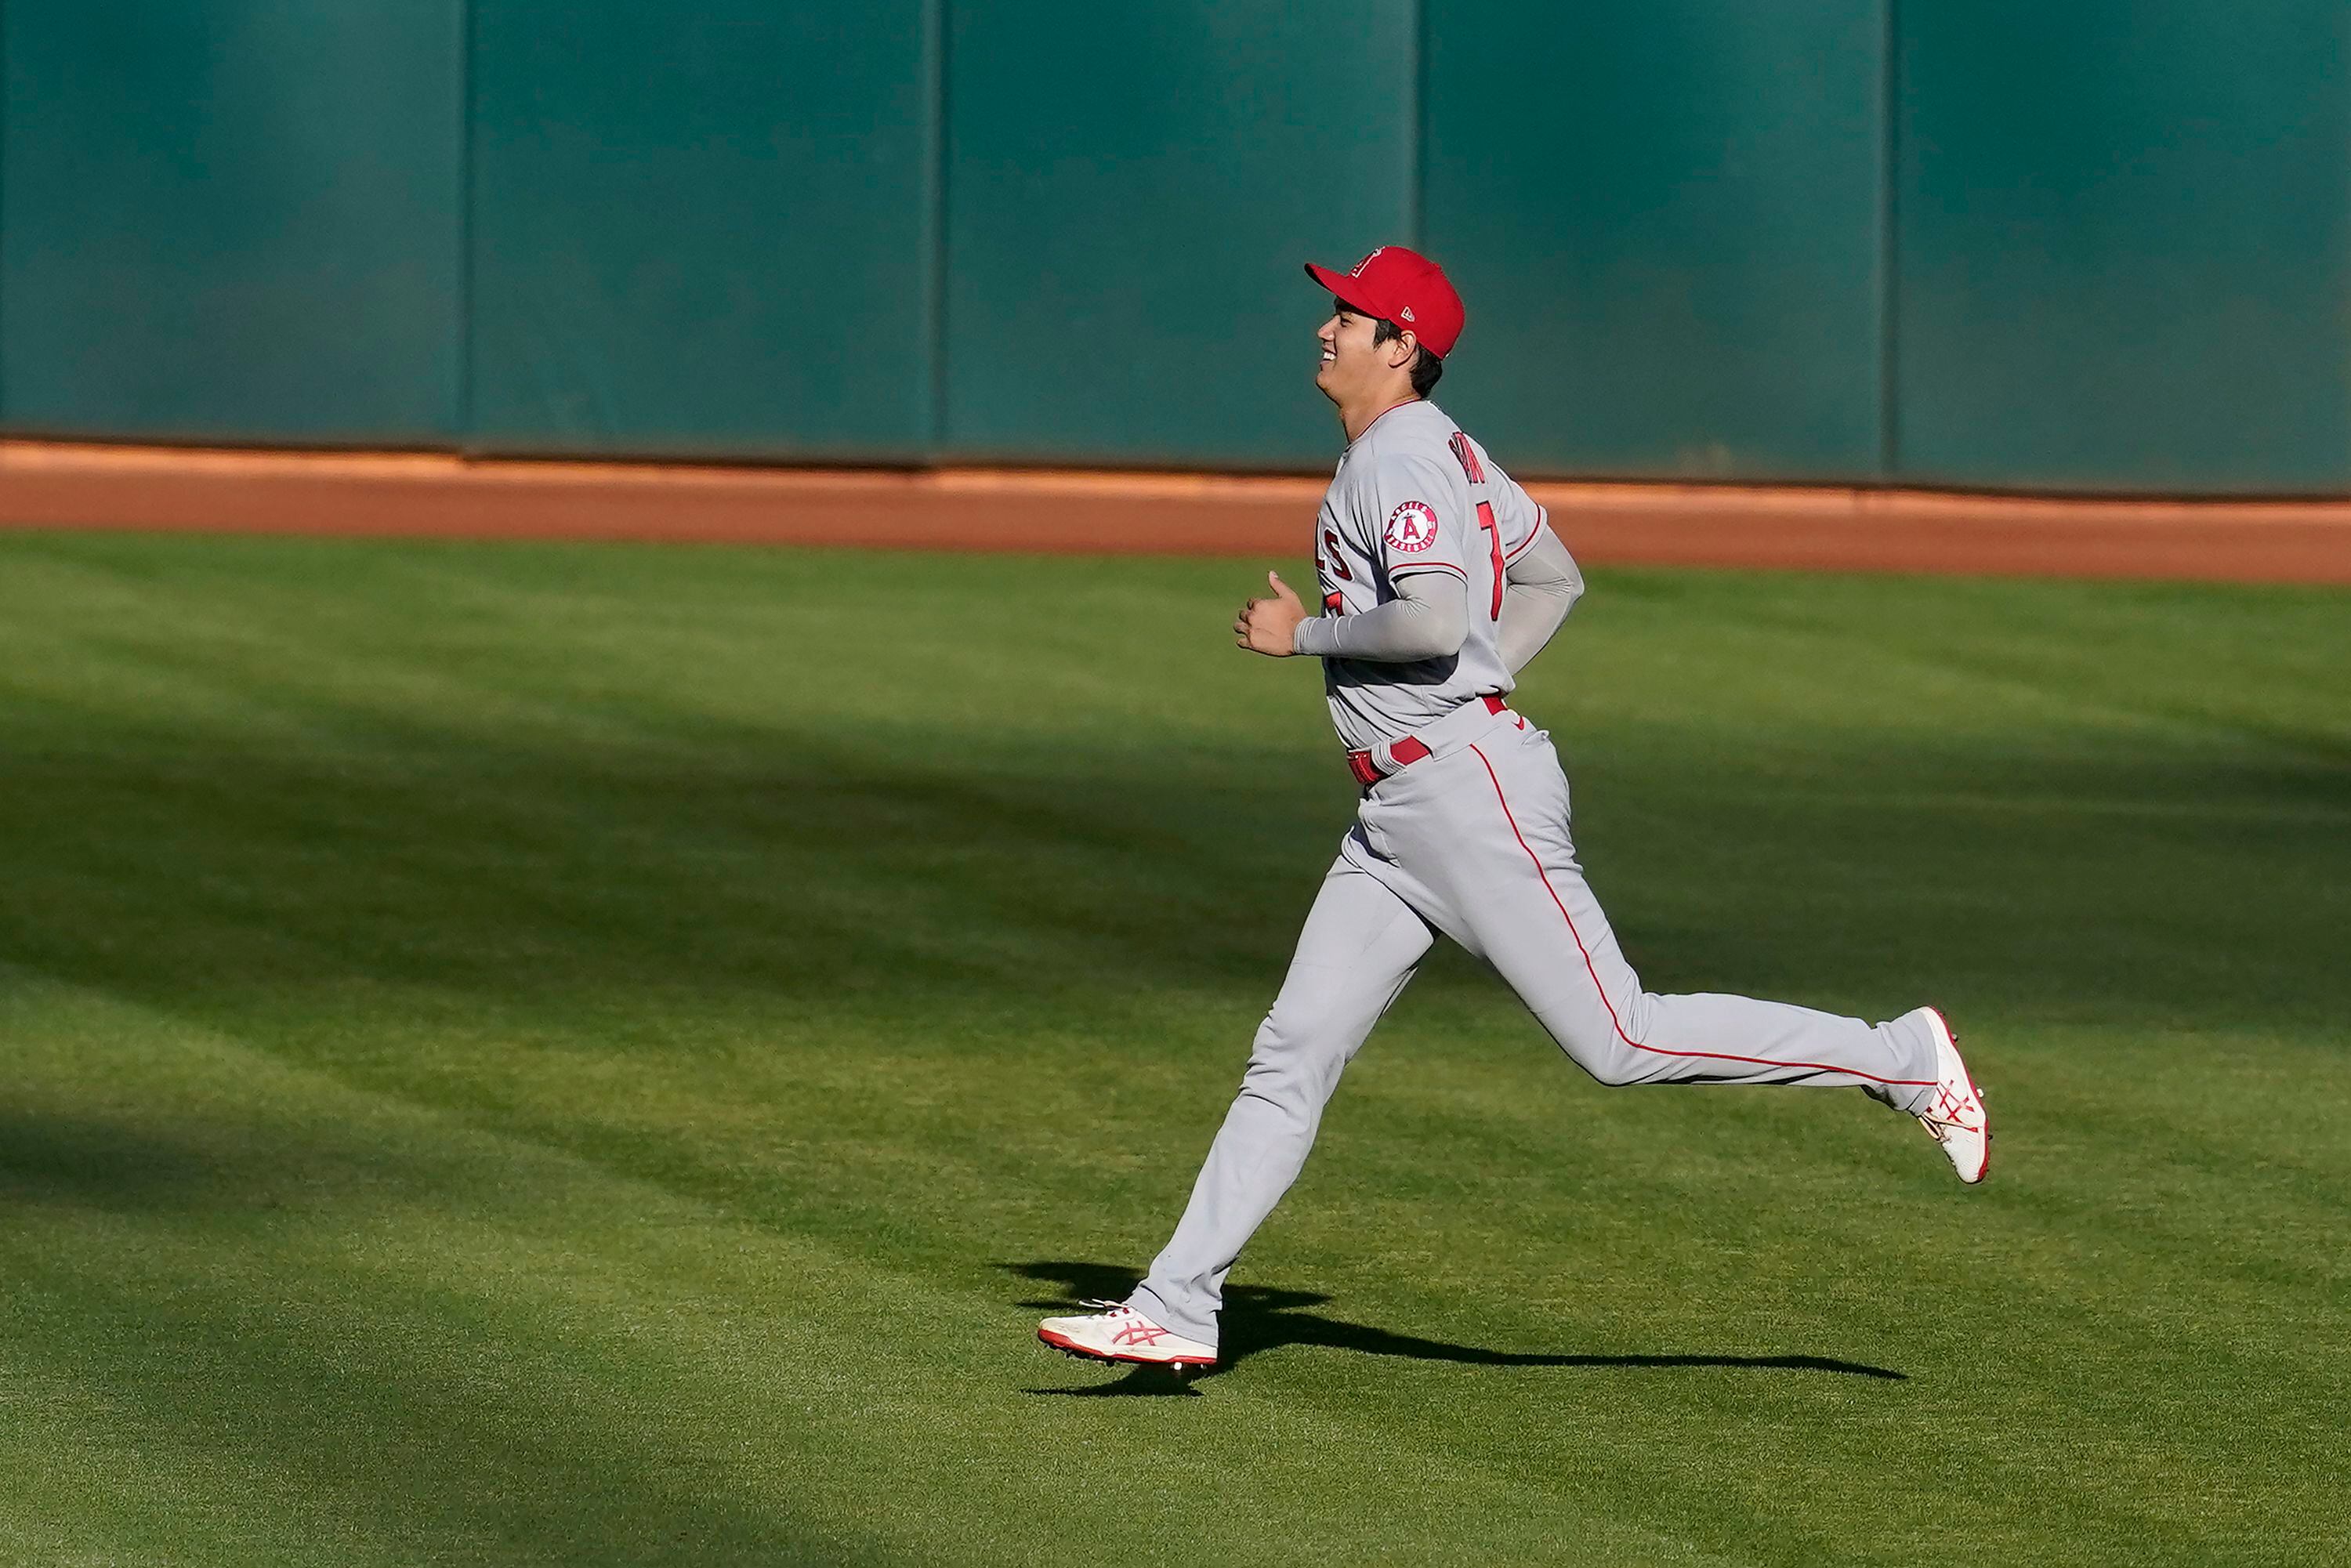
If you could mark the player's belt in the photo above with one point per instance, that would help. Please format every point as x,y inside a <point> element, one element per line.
<point>1403,753</point>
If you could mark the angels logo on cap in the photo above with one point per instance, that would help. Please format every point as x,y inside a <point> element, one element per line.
<point>1412,528</point>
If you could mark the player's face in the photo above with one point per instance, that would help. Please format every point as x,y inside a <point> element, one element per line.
<point>1351,364</point>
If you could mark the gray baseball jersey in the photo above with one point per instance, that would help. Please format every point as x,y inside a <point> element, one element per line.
<point>1414,494</point>
<point>1466,836</point>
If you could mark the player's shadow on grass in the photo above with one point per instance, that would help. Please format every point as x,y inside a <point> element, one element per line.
<point>1258,1317</point>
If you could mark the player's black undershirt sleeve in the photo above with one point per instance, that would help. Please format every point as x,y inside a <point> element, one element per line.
<point>1428,619</point>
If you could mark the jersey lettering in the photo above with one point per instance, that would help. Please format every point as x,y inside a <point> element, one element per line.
<point>1337,557</point>
<point>1467,457</point>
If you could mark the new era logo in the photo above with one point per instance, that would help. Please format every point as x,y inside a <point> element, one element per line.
<point>1405,314</point>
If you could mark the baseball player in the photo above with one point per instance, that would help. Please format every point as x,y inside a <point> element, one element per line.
<point>1439,581</point>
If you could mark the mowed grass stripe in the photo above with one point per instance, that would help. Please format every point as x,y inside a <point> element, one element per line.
<point>371,1329</point>
<point>788,966</point>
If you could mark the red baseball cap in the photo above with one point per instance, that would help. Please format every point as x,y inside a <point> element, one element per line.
<point>1402,287</point>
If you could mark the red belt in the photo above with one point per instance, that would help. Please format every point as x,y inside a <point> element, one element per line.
<point>1403,753</point>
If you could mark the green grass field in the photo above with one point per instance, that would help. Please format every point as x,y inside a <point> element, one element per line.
<point>531,1054</point>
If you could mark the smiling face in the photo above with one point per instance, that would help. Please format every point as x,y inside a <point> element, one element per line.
<point>1357,372</point>
<point>1349,360</point>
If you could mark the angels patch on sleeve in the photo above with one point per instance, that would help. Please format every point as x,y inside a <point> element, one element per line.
<point>1412,528</point>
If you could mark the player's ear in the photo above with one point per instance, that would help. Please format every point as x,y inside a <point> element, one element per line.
<point>1402,347</point>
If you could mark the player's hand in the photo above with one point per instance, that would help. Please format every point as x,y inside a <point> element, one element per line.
<point>1271,625</point>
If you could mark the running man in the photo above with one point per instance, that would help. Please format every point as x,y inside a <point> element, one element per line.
<point>1439,580</point>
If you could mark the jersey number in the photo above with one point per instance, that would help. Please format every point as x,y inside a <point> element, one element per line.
<point>1494,542</point>
<point>1467,456</point>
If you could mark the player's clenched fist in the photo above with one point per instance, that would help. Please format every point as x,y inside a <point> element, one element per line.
<point>1271,625</point>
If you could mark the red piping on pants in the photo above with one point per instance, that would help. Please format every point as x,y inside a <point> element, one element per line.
<point>1613,1021</point>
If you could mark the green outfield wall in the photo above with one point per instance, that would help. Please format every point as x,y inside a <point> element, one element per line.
<point>232,221</point>
<point>2123,233</point>
<point>703,228</point>
<point>2088,244</point>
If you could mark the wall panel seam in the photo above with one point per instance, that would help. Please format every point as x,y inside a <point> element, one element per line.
<point>464,437</point>
<point>936,30</point>
<point>4,204</point>
<point>1889,246</point>
<point>1416,127</point>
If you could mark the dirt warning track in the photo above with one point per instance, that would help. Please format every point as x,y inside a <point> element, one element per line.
<point>67,484</point>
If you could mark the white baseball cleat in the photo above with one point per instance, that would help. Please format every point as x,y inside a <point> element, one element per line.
<point>1957,1118</point>
<point>1122,1333</point>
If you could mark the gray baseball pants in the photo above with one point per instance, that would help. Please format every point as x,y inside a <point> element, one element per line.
<point>1472,841</point>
